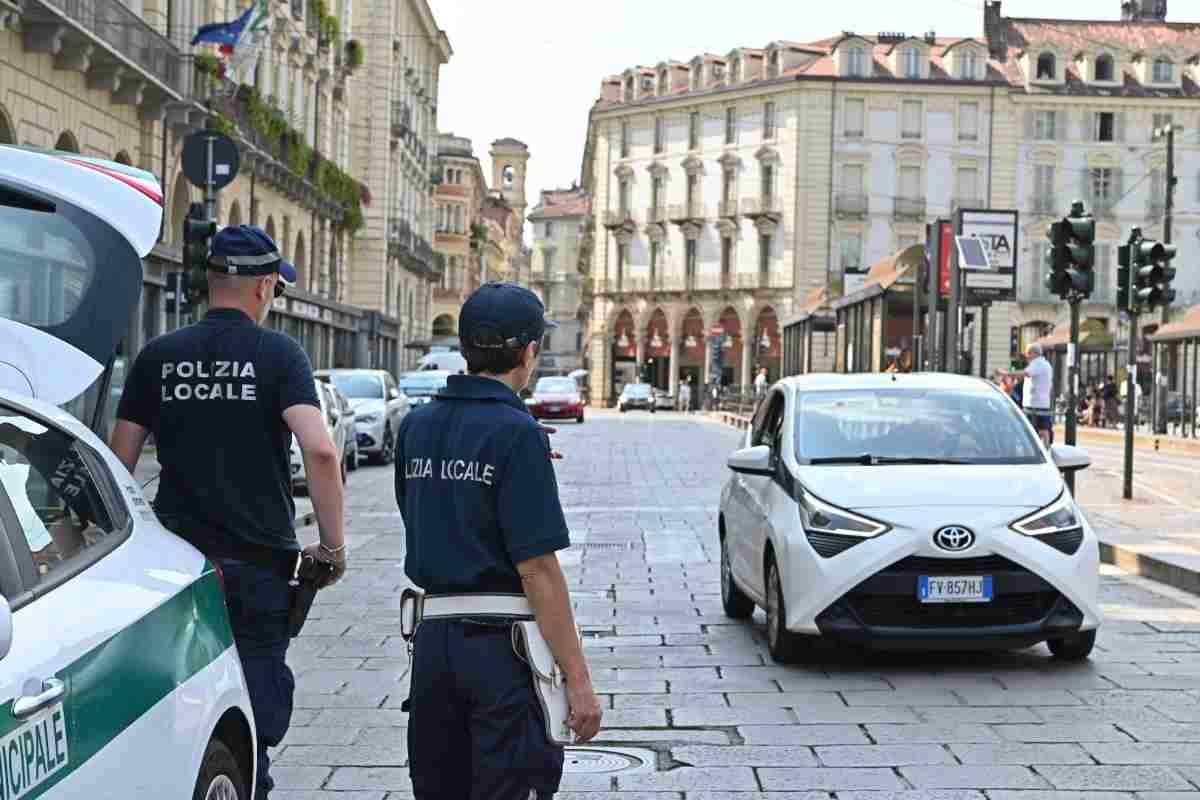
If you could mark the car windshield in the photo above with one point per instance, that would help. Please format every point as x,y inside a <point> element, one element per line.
<point>555,386</point>
<point>358,386</point>
<point>912,425</point>
<point>638,390</point>
<point>422,385</point>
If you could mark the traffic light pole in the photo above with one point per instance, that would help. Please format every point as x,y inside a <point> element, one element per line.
<point>1072,379</point>
<point>1130,405</point>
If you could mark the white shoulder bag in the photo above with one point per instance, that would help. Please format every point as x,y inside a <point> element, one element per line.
<point>549,683</point>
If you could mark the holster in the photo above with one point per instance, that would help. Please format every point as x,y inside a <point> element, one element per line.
<point>549,683</point>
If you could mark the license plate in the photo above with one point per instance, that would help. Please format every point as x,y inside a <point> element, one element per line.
<point>554,408</point>
<point>954,588</point>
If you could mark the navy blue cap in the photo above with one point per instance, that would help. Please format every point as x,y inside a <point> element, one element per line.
<point>500,315</point>
<point>248,250</point>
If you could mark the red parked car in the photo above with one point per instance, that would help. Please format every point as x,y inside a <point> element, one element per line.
<point>556,398</point>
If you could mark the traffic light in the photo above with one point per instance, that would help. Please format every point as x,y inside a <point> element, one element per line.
<point>1152,273</point>
<point>197,230</point>
<point>1124,274</point>
<point>1072,255</point>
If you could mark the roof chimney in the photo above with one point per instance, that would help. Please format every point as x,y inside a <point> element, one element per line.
<point>995,31</point>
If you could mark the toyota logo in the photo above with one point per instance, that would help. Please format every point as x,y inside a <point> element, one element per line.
<point>954,538</point>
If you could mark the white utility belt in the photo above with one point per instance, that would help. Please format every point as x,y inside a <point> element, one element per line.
<point>549,683</point>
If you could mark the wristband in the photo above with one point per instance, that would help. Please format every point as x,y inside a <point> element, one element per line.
<point>333,551</point>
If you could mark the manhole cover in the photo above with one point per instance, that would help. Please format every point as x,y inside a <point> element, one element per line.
<point>607,761</point>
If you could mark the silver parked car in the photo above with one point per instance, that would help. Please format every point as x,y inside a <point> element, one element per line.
<point>339,421</point>
<point>378,404</point>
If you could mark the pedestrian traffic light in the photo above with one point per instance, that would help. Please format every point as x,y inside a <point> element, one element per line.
<point>1073,255</point>
<point>197,230</point>
<point>1152,273</point>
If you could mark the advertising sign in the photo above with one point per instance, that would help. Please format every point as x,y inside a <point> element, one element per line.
<point>997,231</point>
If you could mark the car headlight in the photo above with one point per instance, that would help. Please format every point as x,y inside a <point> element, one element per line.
<point>529,401</point>
<point>368,418</point>
<point>817,516</point>
<point>1057,517</point>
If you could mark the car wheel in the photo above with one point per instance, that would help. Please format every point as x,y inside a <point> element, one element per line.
<point>220,776</point>
<point>579,419</point>
<point>784,646</point>
<point>622,409</point>
<point>1073,648</point>
<point>736,604</point>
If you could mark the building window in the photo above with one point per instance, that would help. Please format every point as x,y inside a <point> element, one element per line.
<point>1044,125</point>
<point>659,134</point>
<point>910,183</point>
<point>726,259</point>
<point>856,62</point>
<point>852,179</point>
<point>549,229</point>
<point>855,114</point>
<point>1104,68</point>
<point>968,64</point>
<point>622,254</point>
<point>689,259</point>
<point>1105,126</point>
<point>968,122</point>
<point>727,198</point>
<point>656,186</point>
<point>769,121</point>
<point>624,140</point>
<point>1047,67</point>
<point>1160,121</point>
<point>731,125</point>
<point>623,197</point>
<point>968,186</point>
<point>910,124</point>
<point>912,62</point>
<point>764,254</point>
<point>694,130</point>
<point>1101,179</point>
<point>692,186</point>
<point>1164,71</point>
<point>653,263</point>
<point>851,251</point>
<point>768,184</point>
<point>548,261</point>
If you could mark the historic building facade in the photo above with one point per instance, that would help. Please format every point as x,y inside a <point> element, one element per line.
<point>857,141</point>
<point>459,202</point>
<point>559,223</point>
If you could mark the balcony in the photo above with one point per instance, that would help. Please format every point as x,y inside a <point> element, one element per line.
<point>851,204</point>
<point>401,119</point>
<point>400,239</point>
<point>757,208</point>
<point>113,48</point>
<point>728,209</point>
<point>912,208</point>
<point>683,213</point>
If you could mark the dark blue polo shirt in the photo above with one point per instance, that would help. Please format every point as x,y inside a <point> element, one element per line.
<point>476,488</point>
<point>214,394</point>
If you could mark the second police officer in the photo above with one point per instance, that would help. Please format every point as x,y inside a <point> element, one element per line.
<point>223,398</point>
<point>476,488</point>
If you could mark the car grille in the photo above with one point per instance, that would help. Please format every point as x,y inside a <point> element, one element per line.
<point>829,545</point>
<point>1065,541</point>
<point>889,598</point>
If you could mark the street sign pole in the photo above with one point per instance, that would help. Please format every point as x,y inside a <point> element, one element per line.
<point>935,280</point>
<point>1130,404</point>
<point>953,322</point>
<point>210,190</point>
<point>1072,379</point>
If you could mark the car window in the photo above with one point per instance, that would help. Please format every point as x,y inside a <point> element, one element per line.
<point>768,432</point>
<point>61,508</point>
<point>555,386</point>
<point>358,385</point>
<point>757,423</point>
<point>972,426</point>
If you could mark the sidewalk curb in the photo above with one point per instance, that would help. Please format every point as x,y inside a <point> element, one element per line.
<point>1156,568</point>
<point>1141,441</point>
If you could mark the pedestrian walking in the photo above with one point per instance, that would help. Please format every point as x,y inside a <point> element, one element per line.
<point>483,524</point>
<point>685,395</point>
<point>223,397</point>
<point>1035,392</point>
<point>760,383</point>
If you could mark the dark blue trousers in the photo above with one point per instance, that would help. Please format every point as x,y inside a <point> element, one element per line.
<point>259,600</point>
<point>475,729</point>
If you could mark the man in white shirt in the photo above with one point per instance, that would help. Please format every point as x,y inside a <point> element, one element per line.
<point>1035,394</point>
<point>760,383</point>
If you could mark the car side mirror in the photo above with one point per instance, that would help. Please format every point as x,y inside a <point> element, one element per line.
<point>393,394</point>
<point>6,628</point>
<point>752,461</point>
<point>1069,458</point>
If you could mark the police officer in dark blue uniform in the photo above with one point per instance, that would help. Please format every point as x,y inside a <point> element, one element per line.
<point>476,488</point>
<point>223,398</point>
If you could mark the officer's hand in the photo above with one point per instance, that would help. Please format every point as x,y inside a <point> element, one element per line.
<point>554,454</point>
<point>338,561</point>
<point>585,714</point>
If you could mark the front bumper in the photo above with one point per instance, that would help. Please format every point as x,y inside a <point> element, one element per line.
<point>369,436</point>
<point>867,593</point>
<point>556,410</point>
<point>637,404</point>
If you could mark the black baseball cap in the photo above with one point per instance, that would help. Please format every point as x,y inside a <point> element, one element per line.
<point>502,315</point>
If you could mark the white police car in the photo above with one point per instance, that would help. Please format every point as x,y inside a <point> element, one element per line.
<point>118,672</point>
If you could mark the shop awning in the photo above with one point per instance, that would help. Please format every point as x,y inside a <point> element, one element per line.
<point>897,268</point>
<point>816,308</point>
<point>1186,328</point>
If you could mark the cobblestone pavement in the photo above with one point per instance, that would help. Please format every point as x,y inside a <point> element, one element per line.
<point>694,698</point>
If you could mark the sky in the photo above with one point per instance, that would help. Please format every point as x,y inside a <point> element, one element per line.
<point>531,69</point>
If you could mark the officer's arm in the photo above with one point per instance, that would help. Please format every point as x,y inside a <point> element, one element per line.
<point>322,465</point>
<point>127,441</point>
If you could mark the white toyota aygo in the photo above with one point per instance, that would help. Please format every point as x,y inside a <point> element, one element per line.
<point>119,677</point>
<point>906,511</point>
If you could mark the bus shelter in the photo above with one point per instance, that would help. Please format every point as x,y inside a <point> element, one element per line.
<point>1177,356</point>
<point>1098,355</point>
<point>814,323</point>
<point>876,324</point>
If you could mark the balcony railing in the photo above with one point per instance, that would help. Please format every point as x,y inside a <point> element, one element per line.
<point>909,208</point>
<point>400,238</point>
<point>123,31</point>
<point>401,118</point>
<point>850,204</point>
<point>755,207</point>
